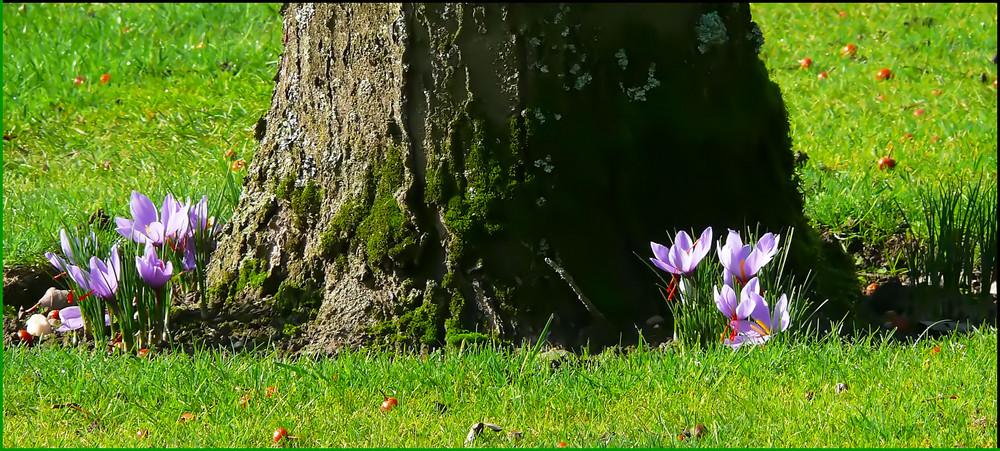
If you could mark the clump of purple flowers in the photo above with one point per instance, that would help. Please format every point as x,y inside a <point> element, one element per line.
<point>749,317</point>
<point>178,235</point>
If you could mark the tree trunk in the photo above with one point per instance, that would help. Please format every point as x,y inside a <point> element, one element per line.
<point>429,172</point>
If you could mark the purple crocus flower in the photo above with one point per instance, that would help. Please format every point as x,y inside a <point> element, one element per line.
<point>766,322</point>
<point>104,276</point>
<point>148,226</point>
<point>741,262</point>
<point>153,271</point>
<point>683,257</point>
<point>725,301</point>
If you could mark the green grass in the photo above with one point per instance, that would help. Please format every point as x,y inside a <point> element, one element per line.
<point>841,123</point>
<point>188,82</point>
<point>646,398</point>
<point>173,106</point>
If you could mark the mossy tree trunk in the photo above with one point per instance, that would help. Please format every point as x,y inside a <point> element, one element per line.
<point>431,170</point>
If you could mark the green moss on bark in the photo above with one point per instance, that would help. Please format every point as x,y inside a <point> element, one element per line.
<point>292,300</point>
<point>305,204</point>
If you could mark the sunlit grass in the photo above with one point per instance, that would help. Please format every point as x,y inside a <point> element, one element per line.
<point>187,82</point>
<point>938,53</point>
<point>897,395</point>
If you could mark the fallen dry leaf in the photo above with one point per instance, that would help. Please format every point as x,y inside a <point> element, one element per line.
<point>477,428</point>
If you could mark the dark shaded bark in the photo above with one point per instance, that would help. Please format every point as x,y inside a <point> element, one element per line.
<point>427,171</point>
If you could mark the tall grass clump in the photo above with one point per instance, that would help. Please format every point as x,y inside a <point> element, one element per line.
<point>959,221</point>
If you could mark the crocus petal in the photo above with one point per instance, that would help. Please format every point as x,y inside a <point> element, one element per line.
<point>748,303</point>
<point>660,251</point>
<point>179,223</point>
<point>749,299</point>
<point>678,259</point>
<point>155,233</point>
<point>662,265</point>
<point>81,277</point>
<point>200,213</point>
<point>762,312</point>
<point>189,262</point>
<point>703,245</point>
<point>56,261</point>
<point>725,300</point>
<point>71,319</point>
<point>168,208</point>
<point>143,210</point>
<point>662,259</point>
<point>115,262</point>
<point>733,240</point>
<point>781,318</point>
<point>768,245</point>
<point>682,240</point>
<point>127,229</point>
<point>67,248</point>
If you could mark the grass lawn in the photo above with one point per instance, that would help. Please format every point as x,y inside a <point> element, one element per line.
<point>896,395</point>
<point>186,83</point>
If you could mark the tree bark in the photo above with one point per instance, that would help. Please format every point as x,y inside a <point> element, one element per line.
<point>429,172</point>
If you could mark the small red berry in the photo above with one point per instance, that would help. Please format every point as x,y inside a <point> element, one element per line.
<point>79,80</point>
<point>822,76</point>
<point>886,163</point>
<point>936,350</point>
<point>25,336</point>
<point>849,50</point>
<point>143,353</point>
<point>883,74</point>
<point>53,314</point>
<point>279,434</point>
<point>918,112</point>
<point>105,78</point>
<point>562,445</point>
<point>805,63</point>
<point>389,404</point>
